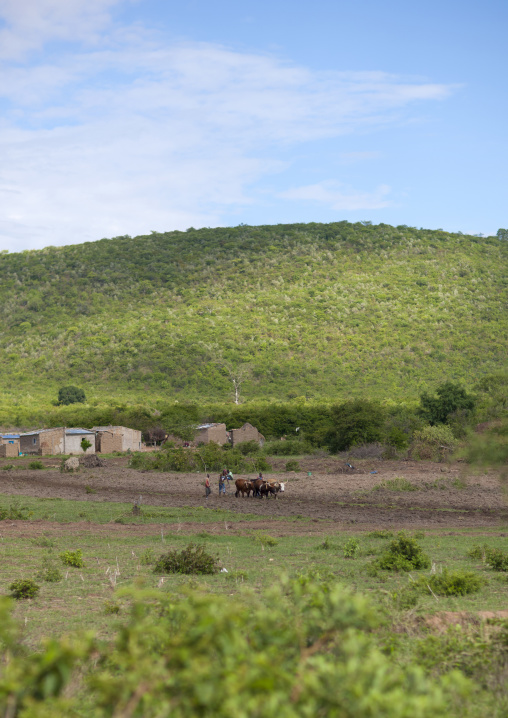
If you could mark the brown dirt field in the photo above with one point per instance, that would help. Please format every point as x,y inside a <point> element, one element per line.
<point>330,497</point>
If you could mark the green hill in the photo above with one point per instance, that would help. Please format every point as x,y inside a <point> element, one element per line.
<point>325,311</point>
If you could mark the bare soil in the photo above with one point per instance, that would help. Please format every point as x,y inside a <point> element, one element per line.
<point>332,496</point>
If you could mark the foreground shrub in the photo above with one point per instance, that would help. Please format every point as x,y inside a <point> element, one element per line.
<point>292,465</point>
<point>24,588</point>
<point>72,558</point>
<point>266,540</point>
<point>15,513</point>
<point>303,648</point>
<point>398,483</point>
<point>193,559</point>
<point>35,465</point>
<point>403,554</point>
<point>49,572</point>
<point>351,548</point>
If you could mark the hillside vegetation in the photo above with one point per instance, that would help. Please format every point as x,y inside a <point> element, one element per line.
<point>322,311</point>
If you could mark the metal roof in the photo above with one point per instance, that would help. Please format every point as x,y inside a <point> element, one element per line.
<point>79,431</point>
<point>10,436</point>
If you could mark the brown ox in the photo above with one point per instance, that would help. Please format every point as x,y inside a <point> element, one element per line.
<point>271,487</point>
<point>243,487</point>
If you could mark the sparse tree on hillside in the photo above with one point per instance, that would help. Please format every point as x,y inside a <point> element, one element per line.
<point>71,395</point>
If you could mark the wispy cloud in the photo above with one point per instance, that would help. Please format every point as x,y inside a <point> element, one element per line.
<point>338,197</point>
<point>122,133</point>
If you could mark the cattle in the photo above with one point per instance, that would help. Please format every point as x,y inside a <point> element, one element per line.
<point>243,487</point>
<point>270,487</point>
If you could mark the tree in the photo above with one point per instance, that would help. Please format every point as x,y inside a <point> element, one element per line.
<point>502,233</point>
<point>85,444</point>
<point>451,398</point>
<point>355,422</point>
<point>71,395</point>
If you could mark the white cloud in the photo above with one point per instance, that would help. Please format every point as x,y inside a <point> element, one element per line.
<point>123,134</point>
<point>335,196</point>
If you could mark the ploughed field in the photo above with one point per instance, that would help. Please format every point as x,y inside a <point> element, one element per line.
<point>384,494</point>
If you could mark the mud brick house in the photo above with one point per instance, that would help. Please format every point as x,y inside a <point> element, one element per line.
<point>61,440</point>
<point>9,445</point>
<point>211,432</point>
<point>246,433</point>
<point>116,438</point>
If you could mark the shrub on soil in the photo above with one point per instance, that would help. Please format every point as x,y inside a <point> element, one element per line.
<point>266,540</point>
<point>292,465</point>
<point>351,548</point>
<point>35,465</point>
<point>193,559</point>
<point>290,447</point>
<point>72,558</point>
<point>380,533</point>
<point>399,483</point>
<point>15,513</point>
<point>24,588</point>
<point>403,554</point>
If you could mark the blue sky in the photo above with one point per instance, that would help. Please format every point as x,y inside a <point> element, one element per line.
<point>123,116</point>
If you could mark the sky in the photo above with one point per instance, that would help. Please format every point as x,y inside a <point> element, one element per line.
<point>130,116</point>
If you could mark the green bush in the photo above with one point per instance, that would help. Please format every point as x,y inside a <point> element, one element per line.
<point>191,560</point>
<point>43,542</point>
<point>35,465</point>
<point>147,558</point>
<point>325,545</point>
<point>403,554</point>
<point>292,465</point>
<point>71,395</point>
<point>496,558</point>
<point>380,533</point>
<point>7,467</point>
<point>453,583</point>
<point>15,512</point>
<point>290,447</point>
<point>351,548</point>
<point>398,483</point>
<point>266,540</point>
<point>24,588</point>
<point>49,572</point>
<point>433,442</point>
<point>450,398</point>
<point>248,448</point>
<point>112,607</point>
<point>72,558</point>
<point>355,422</point>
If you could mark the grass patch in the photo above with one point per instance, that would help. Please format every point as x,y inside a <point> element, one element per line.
<point>398,483</point>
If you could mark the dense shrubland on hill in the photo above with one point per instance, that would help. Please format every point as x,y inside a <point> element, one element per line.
<point>324,311</point>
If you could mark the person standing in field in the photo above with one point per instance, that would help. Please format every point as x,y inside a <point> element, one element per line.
<point>208,489</point>
<point>222,483</point>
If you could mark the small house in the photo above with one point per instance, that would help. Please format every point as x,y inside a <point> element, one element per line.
<point>62,440</point>
<point>9,445</point>
<point>116,438</point>
<point>246,433</point>
<point>211,432</point>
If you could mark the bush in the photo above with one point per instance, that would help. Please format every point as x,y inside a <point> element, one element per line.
<point>35,465</point>
<point>49,572</point>
<point>24,588</point>
<point>396,484</point>
<point>453,583</point>
<point>248,448</point>
<point>266,540</point>
<point>72,558</point>
<point>71,395</point>
<point>451,398</point>
<point>8,467</point>
<point>43,542</point>
<point>15,513</point>
<point>403,554</point>
<point>496,558</point>
<point>112,607</point>
<point>292,465</point>
<point>147,558</point>
<point>191,560</point>
<point>290,447</point>
<point>355,422</point>
<point>433,442</point>
<point>326,545</point>
<point>351,548</point>
<point>380,533</point>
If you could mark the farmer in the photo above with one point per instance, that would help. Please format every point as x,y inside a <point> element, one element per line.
<point>208,490</point>
<point>222,483</point>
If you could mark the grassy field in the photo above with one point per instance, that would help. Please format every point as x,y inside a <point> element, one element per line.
<point>119,549</point>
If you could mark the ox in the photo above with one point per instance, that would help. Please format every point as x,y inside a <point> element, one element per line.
<point>270,487</point>
<point>243,487</point>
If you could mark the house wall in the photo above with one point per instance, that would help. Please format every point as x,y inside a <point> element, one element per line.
<point>73,444</point>
<point>125,439</point>
<point>246,433</point>
<point>8,450</point>
<point>107,442</point>
<point>215,433</point>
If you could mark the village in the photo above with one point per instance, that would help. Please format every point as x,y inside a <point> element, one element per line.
<point>112,439</point>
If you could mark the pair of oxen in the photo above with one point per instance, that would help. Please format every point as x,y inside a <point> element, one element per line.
<point>259,488</point>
